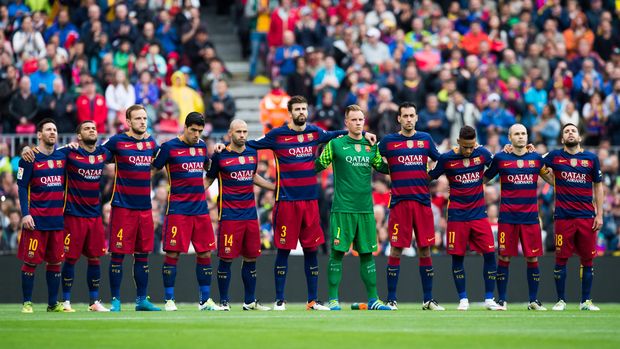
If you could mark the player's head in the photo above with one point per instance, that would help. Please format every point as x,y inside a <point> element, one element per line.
<point>194,125</point>
<point>47,132</point>
<point>354,119</point>
<point>407,116</point>
<point>136,118</point>
<point>570,135</point>
<point>87,132</point>
<point>467,140</point>
<point>517,134</point>
<point>298,110</point>
<point>238,132</point>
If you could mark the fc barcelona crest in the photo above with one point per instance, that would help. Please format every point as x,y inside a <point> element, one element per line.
<point>477,161</point>
<point>30,254</point>
<point>173,242</point>
<point>148,145</point>
<point>139,145</point>
<point>585,163</point>
<point>300,138</point>
<point>367,149</point>
<point>119,244</point>
<point>336,242</point>
<point>192,151</point>
<point>200,152</point>
<point>573,162</point>
<point>466,162</point>
<point>520,163</point>
<point>50,163</point>
<point>310,136</point>
<point>282,241</point>
<point>227,250</point>
<point>58,163</point>
<point>91,159</point>
<point>420,144</point>
<point>251,159</point>
<point>358,148</point>
<point>242,160</point>
<point>409,144</point>
<point>100,157</point>
<point>532,163</point>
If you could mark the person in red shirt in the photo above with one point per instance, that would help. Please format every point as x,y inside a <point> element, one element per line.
<point>92,106</point>
<point>471,41</point>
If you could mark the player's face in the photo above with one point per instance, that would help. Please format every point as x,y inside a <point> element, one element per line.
<point>48,134</point>
<point>299,113</point>
<point>518,136</point>
<point>137,121</point>
<point>466,146</point>
<point>192,133</point>
<point>239,134</point>
<point>355,122</point>
<point>88,133</point>
<point>570,136</point>
<point>407,118</point>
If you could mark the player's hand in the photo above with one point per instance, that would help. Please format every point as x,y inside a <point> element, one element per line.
<point>371,137</point>
<point>598,223</point>
<point>28,222</point>
<point>28,154</point>
<point>530,148</point>
<point>219,147</point>
<point>73,145</point>
<point>508,148</point>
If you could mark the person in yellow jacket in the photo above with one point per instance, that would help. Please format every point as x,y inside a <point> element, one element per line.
<point>186,98</point>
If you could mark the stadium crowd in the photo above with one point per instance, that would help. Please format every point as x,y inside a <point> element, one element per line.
<point>483,63</point>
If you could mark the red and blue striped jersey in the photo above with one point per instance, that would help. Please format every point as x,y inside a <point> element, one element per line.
<point>407,158</point>
<point>132,177</point>
<point>185,166</point>
<point>518,178</point>
<point>295,153</point>
<point>574,177</point>
<point>84,171</point>
<point>41,187</point>
<point>235,174</point>
<point>465,175</point>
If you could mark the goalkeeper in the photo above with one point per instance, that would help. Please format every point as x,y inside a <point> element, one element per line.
<point>352,220</point>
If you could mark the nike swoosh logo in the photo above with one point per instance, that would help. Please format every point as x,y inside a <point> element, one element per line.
<point>562,161</point>
<point>345,148</point>
<point>491,246</point>
<point>288,138</point>
<point>40,165</point>
<point>429,240</point>
<point>317,239</point>
<point>397,145</point>
<point>180,152</point>
<point>79,157</point>
<point>127,145</point>
<point>374,246</point>
<point>593,253</point>
<point>211,244</point>
<point>229,161</point>
<point>506,165</point>
<point>536,250</point>
<point>453,165</point>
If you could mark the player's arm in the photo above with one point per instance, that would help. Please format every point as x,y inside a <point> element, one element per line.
<point>325,159</point>
<point>597,178</point>
<point>547,175</point>
<point>212,169</point>
<point>267,141</point>
<point>378,163</point>
<point>263,183</point>
<point>24,174</point>
<point>326,136</point>
<point>492,171</point>
<point>438,170</point>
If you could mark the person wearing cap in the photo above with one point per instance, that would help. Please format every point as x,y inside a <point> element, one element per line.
<point>379,14</point>
<point>495,120</point>
<point>373,49</point>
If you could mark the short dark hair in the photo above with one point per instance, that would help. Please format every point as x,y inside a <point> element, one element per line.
<point>43,122</point>
<point>404,105</point>
<point>467,133</point>
<point>295,100</point>
<point>194,118</point>
<point>78,129</point>
<point>569,124</point>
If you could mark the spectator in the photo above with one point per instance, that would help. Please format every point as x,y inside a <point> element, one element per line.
<point>286,54</point>
<point>222,108</point>
<point>63,28</point>
<point>547,128</point>
<point>375,51</point>
<point>273,107</point>
<point>167,32</point>
<point>8,87</point>
<point>414,88</point>
<point>415,37</point>
<point>578,30</point>
<point>535,98</point>
<point>495,121</point>
<point>595,120</point>
<point>471,41</point>
<point>329,115</point>
<point>428,59</point>
<point>300,82</point>
<point>612,101</point>
<point>27,42</point>
<point>570,115</point>
<point>216,73</point>
<point>61,106</point>
<point>23,108</point>
<point>327,78</point>
<point>145,39</point>
<point>606,41</point>
<point>433,120</point>
<point>156,62</point>
<point>42,80</point>
<point>119,96</point>
<point>11,232</point>
<point>308,31</point>
<point>185,97</point>
<point>259,14</point>
<point>535,60</point>
<point>282,19</point>
<point>122,28</point>
<point>460,112</point>
<point>92,106</point>
<point>124,58</point>
<point>509,67</point>
<point>168,114</point>
<point>550,33</point>
<point>382,118</point>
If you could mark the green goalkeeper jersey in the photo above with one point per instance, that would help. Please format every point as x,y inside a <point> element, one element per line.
<point>352,161</point>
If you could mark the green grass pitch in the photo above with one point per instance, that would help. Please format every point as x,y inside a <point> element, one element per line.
<point>408,327</point>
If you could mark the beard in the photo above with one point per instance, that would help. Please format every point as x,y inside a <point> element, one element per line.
<point>137,131</point>
<point>571,144</point>
<point>299,122</point>
<point>90,142</point>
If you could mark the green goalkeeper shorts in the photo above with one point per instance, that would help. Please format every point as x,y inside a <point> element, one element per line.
<point>358,229</point>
